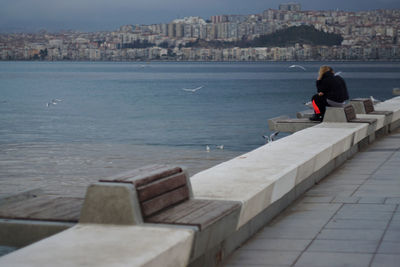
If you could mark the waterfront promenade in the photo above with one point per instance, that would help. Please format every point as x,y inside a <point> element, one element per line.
<point>327,195</point>
<point>351,218</point>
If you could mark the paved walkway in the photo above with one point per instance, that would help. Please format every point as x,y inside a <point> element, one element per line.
<point>351,218</point>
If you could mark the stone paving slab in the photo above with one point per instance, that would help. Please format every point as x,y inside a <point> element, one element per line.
<point>356,224</point>
<point>353,234</point>
<point>351,218</point>
<point>387,260</point>
<point>252,257</point>
<point>345,246</point>
<point>274,244</point>
<point>328,259</point>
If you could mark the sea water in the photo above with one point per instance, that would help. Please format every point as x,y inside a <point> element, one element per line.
<point>71,123</point>
<point>64,125</point>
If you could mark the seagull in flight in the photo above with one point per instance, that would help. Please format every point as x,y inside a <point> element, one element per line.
<point>338,73</point>
<point>297,66</point>
<point>53,102</point>
<point>192,90</point>
<point>220,147</point>
<point>269,139</point>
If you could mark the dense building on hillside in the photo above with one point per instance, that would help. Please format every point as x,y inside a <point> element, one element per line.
<point>290,7</point>
<point>367,35</point>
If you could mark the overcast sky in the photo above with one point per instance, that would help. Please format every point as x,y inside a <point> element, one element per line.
<point>93,15</point>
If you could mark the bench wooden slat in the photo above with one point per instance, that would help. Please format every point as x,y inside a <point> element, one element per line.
<point>179,211</point>
<point>161,186</point>
<point>368,106</point>
<point>349,112</point>
<point>144,175</point>
<point>209,212</point>
<point>45,208</point>
<point>161,202</point>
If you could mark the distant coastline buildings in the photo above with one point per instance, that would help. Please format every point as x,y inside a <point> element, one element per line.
<point>367,35</point>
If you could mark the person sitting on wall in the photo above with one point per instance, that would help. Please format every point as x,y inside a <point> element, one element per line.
<point>332,92</point>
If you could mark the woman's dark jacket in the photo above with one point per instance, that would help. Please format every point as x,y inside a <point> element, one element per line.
<point>333,87</point>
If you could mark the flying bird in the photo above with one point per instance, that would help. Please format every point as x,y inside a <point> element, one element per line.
<point>53,102</point>
<point>338,73</point>
<point>193,90</point>
<point>220,147</point>
<point>297,66</point>
<point>269,139</point>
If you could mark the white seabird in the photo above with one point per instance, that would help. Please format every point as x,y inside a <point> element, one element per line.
<point>374,100</point>
<point>270,138</point>
<point>192,90</point>
<point>297,66</point>
<point>338,73</point>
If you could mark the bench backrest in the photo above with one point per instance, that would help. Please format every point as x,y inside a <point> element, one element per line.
<point>369,106</point>
<point>367,103</point>
<point>349,112</point>
<point>158,187</point>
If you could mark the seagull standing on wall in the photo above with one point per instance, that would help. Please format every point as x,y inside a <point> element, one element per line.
<point>374,100</point>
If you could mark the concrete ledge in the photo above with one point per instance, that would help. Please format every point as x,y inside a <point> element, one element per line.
<point>107,245</point>
<point>214,256</point>
<point>266,174</point>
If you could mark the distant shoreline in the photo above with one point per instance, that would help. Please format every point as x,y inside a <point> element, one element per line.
<point>208,61</point>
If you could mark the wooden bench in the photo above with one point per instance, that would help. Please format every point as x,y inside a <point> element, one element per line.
<point>41,207</point>
<point>332,114</point>
<point>165,196</point>
<point>366,106</point>
<point>351,116</point>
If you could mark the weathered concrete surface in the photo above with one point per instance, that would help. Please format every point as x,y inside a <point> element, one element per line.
<point>264,175</point>
<point>380,119</point>
<point>111,203</point>
<point>101,245</point>
<point>390,105</point>
<point>351,218</point>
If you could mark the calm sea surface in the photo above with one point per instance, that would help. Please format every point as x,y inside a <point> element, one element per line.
<point>118,116</point>
<point>112,117</point>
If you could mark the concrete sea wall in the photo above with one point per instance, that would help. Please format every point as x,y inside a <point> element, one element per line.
<point>264,182</point>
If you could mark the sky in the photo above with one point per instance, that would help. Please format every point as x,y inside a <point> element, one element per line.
<point>97,15</point>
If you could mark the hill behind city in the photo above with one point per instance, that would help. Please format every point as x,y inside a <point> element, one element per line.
<point>303,34</point>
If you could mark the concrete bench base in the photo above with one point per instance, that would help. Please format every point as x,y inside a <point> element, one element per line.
<point>216,255</point>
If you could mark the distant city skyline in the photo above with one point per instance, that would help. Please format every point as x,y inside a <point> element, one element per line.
<point>91,15</point>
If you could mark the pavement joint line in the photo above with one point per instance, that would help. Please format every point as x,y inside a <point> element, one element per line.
<point>315,237</point>
<point>375,171</point>
<point>383,236</point>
